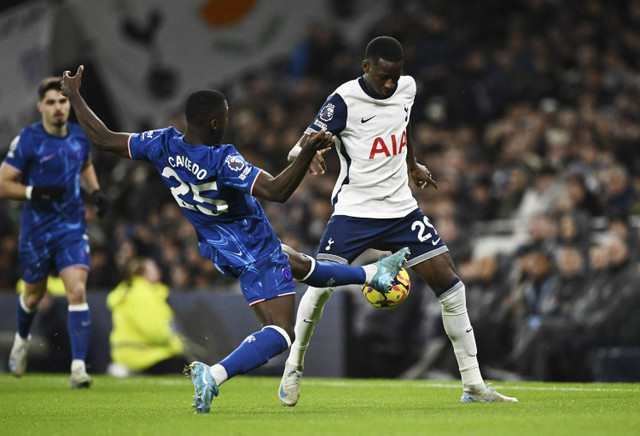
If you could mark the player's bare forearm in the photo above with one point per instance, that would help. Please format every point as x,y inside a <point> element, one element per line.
<point>10,186</point>
<point>89,178</point>
<point>281,187</point>
<point>97,132</point>
<point>419,174</point>
<point>317,165</point>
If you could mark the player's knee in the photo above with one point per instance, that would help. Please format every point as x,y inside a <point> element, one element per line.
<point>319,295</point>
<point>300,264</point>
<point>453,298</point>
<point>77,294</point>
<point>33,294</point>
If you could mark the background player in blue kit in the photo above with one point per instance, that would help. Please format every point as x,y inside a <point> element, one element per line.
<point>47,164</point>
<point>373,207</point>
<point>215,187</point>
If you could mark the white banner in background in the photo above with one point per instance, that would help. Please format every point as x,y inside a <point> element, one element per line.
<point>25,32</point>
<point>153,53</point>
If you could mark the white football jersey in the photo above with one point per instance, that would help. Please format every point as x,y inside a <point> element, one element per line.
<point>371,142</point>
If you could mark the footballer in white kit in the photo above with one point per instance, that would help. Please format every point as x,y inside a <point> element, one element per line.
<point>373,184</point>
<point>373,207</point>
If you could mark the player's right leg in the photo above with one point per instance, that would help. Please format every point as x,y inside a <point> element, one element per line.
<point>314,299</point>
<point>25,313</point>
<point>309,313</point>
<point>78,323</point>
<point>254,351</point>
<point>268,288</point>
<point>440,275</point>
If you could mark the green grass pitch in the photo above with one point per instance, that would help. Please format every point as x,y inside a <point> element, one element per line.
<point>43,404</point>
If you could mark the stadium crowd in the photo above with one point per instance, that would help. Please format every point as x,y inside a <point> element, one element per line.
<point>528,115</point>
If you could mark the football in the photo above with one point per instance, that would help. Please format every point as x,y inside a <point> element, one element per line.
<point>399,292</point>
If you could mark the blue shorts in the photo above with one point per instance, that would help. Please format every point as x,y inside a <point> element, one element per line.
<point>267,278</point>
<point>38,258</point>
<point>345,238</point>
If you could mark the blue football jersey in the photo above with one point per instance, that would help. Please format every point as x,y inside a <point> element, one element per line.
<point>213,187</point>
<point>45,160</point>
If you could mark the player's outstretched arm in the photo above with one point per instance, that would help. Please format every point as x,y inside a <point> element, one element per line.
<point>318,165</point>
<point>99,135</point>
<point>281,187</point>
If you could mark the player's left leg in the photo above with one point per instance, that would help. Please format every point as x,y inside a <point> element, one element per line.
<point>268,287</point>
<point>78,322</point>
<point>26,310</point>
<point>276,317</point>
<point>439,273</point>
<point>35,263</point>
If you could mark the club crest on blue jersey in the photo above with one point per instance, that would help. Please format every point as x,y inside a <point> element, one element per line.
<point>148,134</point>
<point>235,163</point>
<point>286,272</point>
<point>12,147</point>
<point>327,111</point>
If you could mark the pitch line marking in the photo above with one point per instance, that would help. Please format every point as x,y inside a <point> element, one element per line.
<point>316,381</point>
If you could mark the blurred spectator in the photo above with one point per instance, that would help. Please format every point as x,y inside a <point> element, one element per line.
<point>543,232</point>
<point>537,352</point>
<point>604,314</point>
<point>538,303</point>
<point>577,196</point>
<point>512,186</point>
<point>483,204</point>
<point>619,195</point>
<point>573,230</point>
<point>143,338</point>
<point>540,197</point>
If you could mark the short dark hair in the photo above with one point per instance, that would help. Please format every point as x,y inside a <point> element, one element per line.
<point>203,106</point>
<point>49,83</point>
<point>384,47</point>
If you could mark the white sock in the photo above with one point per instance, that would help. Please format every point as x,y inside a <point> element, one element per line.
<point>24,306</point>
<point>458,327</point>
<point>77,365</point>
<point>369,271</point>
<point>309,313</point>
<point>218,373</point>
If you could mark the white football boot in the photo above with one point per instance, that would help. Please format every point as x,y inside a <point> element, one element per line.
<point>289,391</point>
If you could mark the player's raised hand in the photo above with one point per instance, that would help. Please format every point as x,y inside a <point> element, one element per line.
<point>421,176</point>
<point>321,142</point>
<point>71,84</point>
<point>318,165</point>
<point>101,201</point>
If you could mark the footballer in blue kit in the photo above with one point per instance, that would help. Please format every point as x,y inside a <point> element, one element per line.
<point>47,165</point>
<point>53,234</point>
<point>373,207</point>
<point>213,187</point>
<point>216,189</point>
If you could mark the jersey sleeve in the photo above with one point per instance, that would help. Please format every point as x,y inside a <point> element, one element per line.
<point>18,154</point>
<point>332,116</point>
<point>143,145</point>
<point>237,173</point>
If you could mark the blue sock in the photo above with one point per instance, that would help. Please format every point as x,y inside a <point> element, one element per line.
<point>25,319</point>
<point>255,350</point>
<point>330,274</point>
<point>79,325</point>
